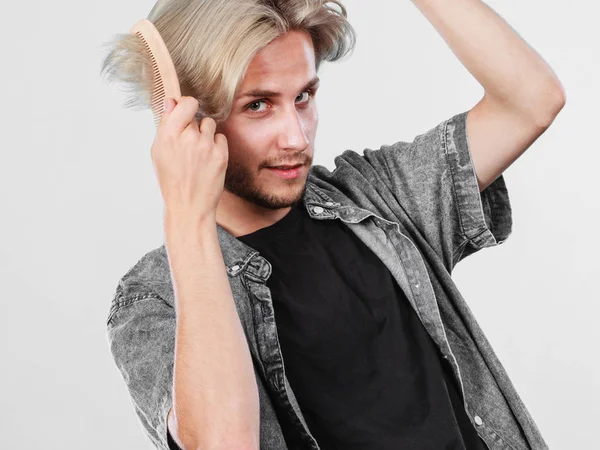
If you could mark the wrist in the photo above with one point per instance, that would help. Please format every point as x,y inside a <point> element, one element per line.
<point>186,226</point>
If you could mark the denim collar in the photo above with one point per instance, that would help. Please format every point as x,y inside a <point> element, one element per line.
<point>240,257</point>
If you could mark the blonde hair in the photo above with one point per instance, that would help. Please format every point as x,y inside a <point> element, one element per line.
<point>212,42</point>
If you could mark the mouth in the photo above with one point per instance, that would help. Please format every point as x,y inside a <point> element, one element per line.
<point>287,172</point>
<point>286,167</point>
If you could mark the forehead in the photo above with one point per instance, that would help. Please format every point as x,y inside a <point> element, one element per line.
<point>288,60</point>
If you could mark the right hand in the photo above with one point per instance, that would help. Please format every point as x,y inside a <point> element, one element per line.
<point>190,161</point>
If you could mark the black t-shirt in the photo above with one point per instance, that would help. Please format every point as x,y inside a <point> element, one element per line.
<point>365,372</point>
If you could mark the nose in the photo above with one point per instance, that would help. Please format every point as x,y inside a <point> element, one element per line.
<point>292,135</point>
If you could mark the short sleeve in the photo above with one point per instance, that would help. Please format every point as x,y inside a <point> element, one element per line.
<point>434,182</point>
<point>141,335</point>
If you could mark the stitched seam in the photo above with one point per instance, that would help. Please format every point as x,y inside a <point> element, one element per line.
<point>452,185</point>
<point>124,302</point>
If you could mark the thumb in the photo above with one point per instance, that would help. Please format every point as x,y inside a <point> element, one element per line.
<point>168,105</point>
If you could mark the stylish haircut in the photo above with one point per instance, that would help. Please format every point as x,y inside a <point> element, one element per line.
<point>212,42</point>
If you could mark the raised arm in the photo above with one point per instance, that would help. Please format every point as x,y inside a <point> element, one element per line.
<point>522,94</point>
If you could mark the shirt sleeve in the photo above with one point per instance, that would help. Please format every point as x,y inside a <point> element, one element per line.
<point>141,335</point>
<point>434,181</point>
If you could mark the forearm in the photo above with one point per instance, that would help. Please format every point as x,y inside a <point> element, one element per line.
<point>509,70</point>
<point>215,395</point>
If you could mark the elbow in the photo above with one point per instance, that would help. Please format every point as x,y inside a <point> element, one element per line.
<point>212,437</point>
<point>551,103</point>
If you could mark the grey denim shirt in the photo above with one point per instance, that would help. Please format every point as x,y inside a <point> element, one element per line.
<point>417,206</point>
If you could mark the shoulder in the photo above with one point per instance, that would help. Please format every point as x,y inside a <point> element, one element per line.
<point>148,278</point>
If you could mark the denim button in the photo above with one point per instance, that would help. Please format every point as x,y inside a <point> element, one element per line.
<point>236,267</point>
<point>318,209</point>
<point>478,420</point>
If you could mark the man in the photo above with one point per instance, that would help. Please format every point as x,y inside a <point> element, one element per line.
<point>303,308</point>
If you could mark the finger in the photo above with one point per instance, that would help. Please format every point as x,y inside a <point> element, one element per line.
<point>208,127</point>
<point>191,133</point>
<point>192,127</point>
<point>221,139</point>
<point>183,114</point>
<point>168,105</point>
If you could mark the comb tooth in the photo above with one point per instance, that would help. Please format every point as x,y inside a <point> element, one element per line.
<point>157,100</point>
<point>157,86</point>
<point>154,65</point>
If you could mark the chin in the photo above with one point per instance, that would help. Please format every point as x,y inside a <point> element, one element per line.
<point>282,196</point>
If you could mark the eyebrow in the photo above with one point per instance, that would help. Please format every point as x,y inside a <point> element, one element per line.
<point>255,93</point>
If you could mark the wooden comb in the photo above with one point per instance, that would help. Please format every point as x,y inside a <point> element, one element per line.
<point>164,77</point>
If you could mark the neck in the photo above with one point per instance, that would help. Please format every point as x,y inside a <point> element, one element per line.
<point>240,217</point>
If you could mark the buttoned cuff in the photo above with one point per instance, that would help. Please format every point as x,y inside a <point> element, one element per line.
<point>485,217</point>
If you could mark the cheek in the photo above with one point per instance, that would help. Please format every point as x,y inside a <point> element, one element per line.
<point>247,149</point>
<point>311,122</point>
<point>238,139</point>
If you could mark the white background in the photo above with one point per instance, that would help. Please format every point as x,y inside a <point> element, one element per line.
<point>80,205</point>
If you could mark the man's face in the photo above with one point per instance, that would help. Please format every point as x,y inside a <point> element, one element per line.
<point>273,129</point>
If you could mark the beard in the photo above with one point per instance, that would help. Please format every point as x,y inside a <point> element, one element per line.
<point>241,181</point>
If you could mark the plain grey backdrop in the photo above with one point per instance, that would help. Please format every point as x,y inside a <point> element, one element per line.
<point>80,205</point>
